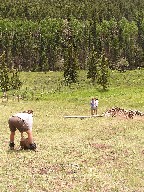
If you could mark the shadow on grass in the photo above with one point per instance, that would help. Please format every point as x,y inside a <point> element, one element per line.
<point>19,151</point>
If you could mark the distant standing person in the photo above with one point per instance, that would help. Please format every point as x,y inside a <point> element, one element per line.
<point>96,104</point>
<point>93,106</point>
<point>23,122</point>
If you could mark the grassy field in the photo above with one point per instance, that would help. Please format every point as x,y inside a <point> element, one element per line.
<point>102,154</point>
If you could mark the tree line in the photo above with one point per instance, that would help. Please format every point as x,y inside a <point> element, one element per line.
<point>37,10</point>
<point>44,45</point>
<point>71,35</point>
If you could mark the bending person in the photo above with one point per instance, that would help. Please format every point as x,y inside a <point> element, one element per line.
<point>23,122</point>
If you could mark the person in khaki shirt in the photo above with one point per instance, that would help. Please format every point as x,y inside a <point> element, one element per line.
<point>23,122</point>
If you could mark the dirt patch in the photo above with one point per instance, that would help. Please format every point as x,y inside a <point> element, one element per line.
<point>100,146</point>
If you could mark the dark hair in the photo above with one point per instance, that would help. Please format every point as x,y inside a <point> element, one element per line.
<point>29,111</point>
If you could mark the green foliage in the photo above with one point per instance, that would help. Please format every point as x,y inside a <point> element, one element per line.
<point>40,46</point>
<point>35,35</point>
<point>38,10</point>
<point>15,82</point>
<point>92,66</point>
<point>70,73</point>
<point>122,65</point>
<point>103,72</point>
<point>7,81</point>
<point>98,70</point>
<point>4,73</point>
<point>69,54</point>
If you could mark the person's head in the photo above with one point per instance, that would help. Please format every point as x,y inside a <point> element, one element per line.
<point>29,111</point>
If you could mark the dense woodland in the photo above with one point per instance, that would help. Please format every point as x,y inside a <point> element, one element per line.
<point>42,35</point>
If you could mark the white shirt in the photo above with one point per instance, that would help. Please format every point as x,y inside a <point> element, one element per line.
<point>28,118</point>
<point>96,102</point>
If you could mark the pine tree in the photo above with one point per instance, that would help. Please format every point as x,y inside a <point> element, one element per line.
<point>103,72</point>
<point>92,66</point>
<point>70,58</point>
<point>6,81</point>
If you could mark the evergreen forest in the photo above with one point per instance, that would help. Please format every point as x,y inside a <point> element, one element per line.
<point>71,35</point>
